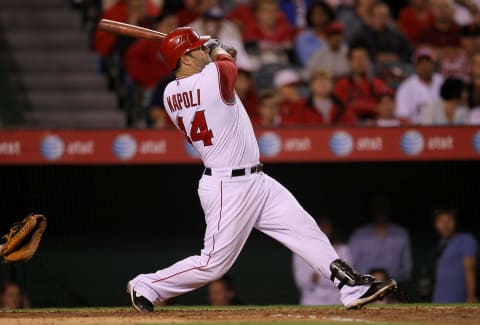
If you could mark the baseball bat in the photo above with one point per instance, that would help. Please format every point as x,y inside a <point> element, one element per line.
<point>119,28</point>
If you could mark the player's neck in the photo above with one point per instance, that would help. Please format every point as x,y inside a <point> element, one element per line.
<point>186,71</point>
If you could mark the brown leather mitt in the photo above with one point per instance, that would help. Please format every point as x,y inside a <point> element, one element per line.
<point>21,243</point>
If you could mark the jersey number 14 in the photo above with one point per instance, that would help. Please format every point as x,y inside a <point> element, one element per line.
<point>199,130</point>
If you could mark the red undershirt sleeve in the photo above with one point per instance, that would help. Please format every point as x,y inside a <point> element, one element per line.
<point>227,74</point>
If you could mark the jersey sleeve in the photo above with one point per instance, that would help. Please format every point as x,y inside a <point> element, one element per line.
<point>227,75</point>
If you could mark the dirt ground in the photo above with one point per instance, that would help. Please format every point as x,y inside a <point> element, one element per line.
<point>397,315</point>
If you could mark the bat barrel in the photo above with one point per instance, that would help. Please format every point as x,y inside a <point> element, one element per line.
<point>120,28</point>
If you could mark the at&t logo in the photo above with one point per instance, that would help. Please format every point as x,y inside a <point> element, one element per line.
<point>52,147</point>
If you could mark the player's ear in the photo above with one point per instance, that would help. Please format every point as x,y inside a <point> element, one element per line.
<point>186,59</point>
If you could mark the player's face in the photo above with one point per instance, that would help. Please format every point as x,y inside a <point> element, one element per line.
<point>199,58</point>
<point>445,225</point>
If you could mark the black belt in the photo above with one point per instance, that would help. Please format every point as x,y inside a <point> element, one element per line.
<point>239,172</point>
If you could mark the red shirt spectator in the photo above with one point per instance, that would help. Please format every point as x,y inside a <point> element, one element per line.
<point>186,16</point>
<point>264,21</point>
<point>143,60</point>
<point>292,105</point>
<point>360,94</point>
<point>443,32</point>
<point>191,10</point>
<point>268,112</point>
<point>135,12</point>
<point>246,91</point>
<point>386,110</point>
<point>415,18</point>
<point>337,114</point>
<point>440,38</point>
<point>144,63</point>
<point>294,112</point>
<point>358,91</point>
<point>324,108</point>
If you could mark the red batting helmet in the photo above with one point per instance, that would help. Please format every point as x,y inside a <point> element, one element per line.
<point>178,42</point>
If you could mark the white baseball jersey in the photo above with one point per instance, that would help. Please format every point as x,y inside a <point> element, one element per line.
<point>205,107</point>
<point>413,95</point>
<point>219,128</point>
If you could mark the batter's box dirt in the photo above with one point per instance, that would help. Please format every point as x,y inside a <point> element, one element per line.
<point>397,315</point>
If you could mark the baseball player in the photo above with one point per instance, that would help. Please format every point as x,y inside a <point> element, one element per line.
<point>235,194</point>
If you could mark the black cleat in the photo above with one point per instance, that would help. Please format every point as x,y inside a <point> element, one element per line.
<point>377,291</point>
<point>140,303</point>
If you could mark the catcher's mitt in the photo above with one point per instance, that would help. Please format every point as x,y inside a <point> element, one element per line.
<point>21,243</point>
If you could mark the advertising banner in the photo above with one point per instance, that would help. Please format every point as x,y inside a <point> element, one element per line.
<point>280,145</point>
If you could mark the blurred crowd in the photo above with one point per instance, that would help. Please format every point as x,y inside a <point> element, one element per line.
<point>309,62</point>
<point>382,248</point>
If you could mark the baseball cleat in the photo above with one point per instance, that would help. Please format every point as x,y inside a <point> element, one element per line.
<point>140,303</point>
<point>377,291</point>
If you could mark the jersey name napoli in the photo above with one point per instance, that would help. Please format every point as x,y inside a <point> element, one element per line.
<point>220,131</point>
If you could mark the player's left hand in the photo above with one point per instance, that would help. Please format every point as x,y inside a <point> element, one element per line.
<point>212,44</point>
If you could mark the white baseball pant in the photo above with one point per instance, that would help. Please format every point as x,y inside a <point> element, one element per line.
<point>233,206</point>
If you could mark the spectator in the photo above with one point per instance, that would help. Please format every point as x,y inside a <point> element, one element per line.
<point>382,244</point>
<point>314,289</point>
<point>415,17</point>
<point>474,90</point>
<point>264,24</point>
<point>286,83</point>
<point>192,9</point>
<point>319,16</point>
<point>451,109</point>
<point>386,110</point>
<point>246,91</point>
<point>157,117</point>
<point>268,115</point>
<point>467,12</point>
<point>143,60</point>
<point>214,24</point>
<point>322,106</point>
<point>420,88</point>
<point>457,63</point>
<point>12,296</point>
<point>332,57</point>
<point>470,39</point>
<point>355,17</point>
<point>455,280</point>
<point>222,292</point>
<point>359,91</point>
<point>385,44</point>
<point>443,35</point>
<point>135,12</point>
<point>339,4</point>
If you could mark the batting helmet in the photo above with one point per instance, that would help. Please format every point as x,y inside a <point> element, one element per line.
<point>178,42</point>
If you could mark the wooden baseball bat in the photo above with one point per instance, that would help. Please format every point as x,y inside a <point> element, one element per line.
<point>119,28</point>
